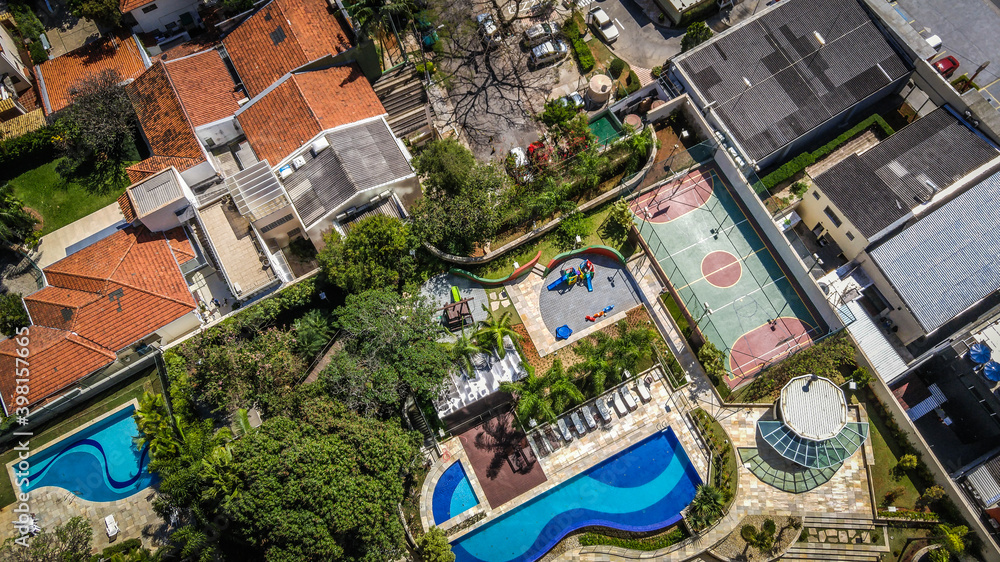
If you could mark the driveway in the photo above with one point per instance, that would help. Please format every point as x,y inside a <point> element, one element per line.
<point>968,29</point>
<point>640,43</point>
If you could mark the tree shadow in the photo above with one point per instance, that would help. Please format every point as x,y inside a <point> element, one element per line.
<point>500,437</point>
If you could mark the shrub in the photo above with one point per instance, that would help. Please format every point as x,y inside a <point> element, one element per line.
<point>616,67</point>
<point>908,462</point>
<point>672,537</point>
<point>38,54</point>
<point>932,494</point>
<point>862,377</point>
<point>748,533</point>
<point>657,70</point>
<point>573,225</point>
<point>713,362</point>
<point>18,154</point>
<point>696,34</point>
<point>12,314</point>
<point>427,67</point>
<point>633,82</point>
<point>799,188</point>
<point>433,547</point>
<point>580,49</point>
<point>27,22</point>
<point>621,215</point>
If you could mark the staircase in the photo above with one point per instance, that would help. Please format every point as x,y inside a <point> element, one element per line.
<point>847,551</point>
<point>402,94</point>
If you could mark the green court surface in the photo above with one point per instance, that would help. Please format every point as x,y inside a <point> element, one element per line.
<point>725,275</point>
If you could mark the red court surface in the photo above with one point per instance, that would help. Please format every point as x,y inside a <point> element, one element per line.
<point>676,198</point>
<point>489,447</point>
<point>722,269</point>
<point>758,347</point>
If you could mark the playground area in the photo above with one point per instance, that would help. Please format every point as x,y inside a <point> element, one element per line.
<point>559,316</point>
<point>725,275</point>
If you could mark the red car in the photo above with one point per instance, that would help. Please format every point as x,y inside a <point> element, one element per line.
<point>947,66</point>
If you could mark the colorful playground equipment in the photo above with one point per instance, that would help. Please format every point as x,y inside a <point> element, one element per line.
<point>604,312</point>
<point>563,332</point>
<point>571,275</point>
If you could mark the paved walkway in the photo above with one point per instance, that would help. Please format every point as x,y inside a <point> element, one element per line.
<point>54,245</point>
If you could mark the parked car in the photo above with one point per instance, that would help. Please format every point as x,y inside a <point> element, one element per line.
<point>947,66</point>
<point>538,34</point>
<point>574,100</point>
<point>518,166</point>
<point>548,52</point>
<point>602,24</point>
<point>488,30</point>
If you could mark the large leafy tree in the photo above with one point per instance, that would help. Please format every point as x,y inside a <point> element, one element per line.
<point>369,392</point>
<point>382,16</point>
<point>104,12</point>
<point>17,226</point>
<point>384,330</point>
<point>433,546</point>
<point>101,122</point>
<point>444,167</point>
<point>323,486</point>
<point>69,542</point>
<point>13,316</point>
<point>374,254</point>
<point>696,34</point>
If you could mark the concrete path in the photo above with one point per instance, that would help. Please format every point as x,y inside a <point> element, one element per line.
<point>54,245</point>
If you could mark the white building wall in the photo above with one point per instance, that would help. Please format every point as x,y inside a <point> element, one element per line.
<point>179,328</point>
<point>10,62</point>
<point>219,132</point>
<point>166,12</point>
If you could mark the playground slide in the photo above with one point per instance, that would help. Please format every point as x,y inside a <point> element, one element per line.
<point>557,282</point>
<point>590,286</point>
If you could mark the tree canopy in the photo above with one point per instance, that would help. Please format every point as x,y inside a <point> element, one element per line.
<point>106,13</point>
<point>696,34</point>
<point>444,167</point>
<point>69,542</point>
<point>17,226</point>
<point>374,254</point>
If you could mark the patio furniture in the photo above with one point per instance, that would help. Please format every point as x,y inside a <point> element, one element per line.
<point>588,417</point>
<point>619,405</point>
<point>578,423</point>
<point>643,392</point>
<point>602,409</point>
<point>112,526</point>
<point>627,397</point>
<point>528,454</point>
<point>564,430</point>
<point>540,443</point>
<point>516,462</point>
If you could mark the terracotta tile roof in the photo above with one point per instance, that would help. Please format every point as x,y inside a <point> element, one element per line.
<point>205,88</point>
<point>156,164</point>
<point>31,121</point>
<point>56,307</point>
<point>282,36</point>
<point>305,104</point>
<point>163,119</point>
<point>180,244</point>
<point>125,204</point>
<point>56,76</point>
<point>127,6</point>
<point>58,360</point>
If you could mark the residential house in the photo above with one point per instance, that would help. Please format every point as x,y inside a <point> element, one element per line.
<point>791,74</point>
<point>11,65</point>
<point>101,306</point>
<point>167,19</point>
<point>865,196</point>
<point>121,54</point>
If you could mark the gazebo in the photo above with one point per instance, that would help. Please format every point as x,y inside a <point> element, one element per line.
<point>811,427</point>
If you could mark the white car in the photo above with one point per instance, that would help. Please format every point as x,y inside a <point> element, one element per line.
<point>540,33</point>
<point>602,24</point>
<point>548,52</point>
<point>488,28</point>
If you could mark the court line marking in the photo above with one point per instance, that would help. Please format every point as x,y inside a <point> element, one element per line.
<point>742,260</point>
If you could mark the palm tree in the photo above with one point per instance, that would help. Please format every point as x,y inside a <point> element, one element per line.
<point>492,331</point>
<point>243,422</point>
<point>375,16</point>
<point>462,352</point>
<point>155,427</point>
<point>597,368</point>
<point>562,392</point>
<point>706,506</point>
<point>225,484</point>
<point>16,225</point>
<point>532,402</point>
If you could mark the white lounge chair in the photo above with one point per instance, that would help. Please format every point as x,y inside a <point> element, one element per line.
<point>619,405</point>
<point>602,409</point>
<point>588,417</point>
<point>580,428</point>
<point>644,395</point>
<point>564,430</point>
<point>627,397</point>
<point>112,526</point>
<point>540,444</point>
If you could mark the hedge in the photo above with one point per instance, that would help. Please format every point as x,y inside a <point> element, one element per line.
<point>580,49</point>
<point>633,82</point>
<point>27,22</point>
<point>29,150</point>
<point>673,537</point>
<point>806,159</point>
<point>909,515</point>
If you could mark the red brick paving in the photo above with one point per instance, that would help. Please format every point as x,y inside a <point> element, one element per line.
<point>487,446</point>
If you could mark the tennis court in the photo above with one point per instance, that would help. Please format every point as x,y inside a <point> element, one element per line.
<point>724,273</point>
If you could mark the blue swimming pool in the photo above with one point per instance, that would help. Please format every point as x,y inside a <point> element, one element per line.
<point>99,463</point>
<point>642,488</point>
<point>453,494</point>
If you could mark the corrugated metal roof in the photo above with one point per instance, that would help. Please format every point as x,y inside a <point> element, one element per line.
<point>813,407</point>
<point>797,83</point>
<point>360,157</point>
<point>985,482</point>
<point>927,405</point>
<point>886,360</point>
<point>949,260</point>
<point>256,191</point>
<point>155,192</point>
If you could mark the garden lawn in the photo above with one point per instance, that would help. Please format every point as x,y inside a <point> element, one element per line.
<point>887,453</point>
<point>60,201</point>
<point>66,423</point>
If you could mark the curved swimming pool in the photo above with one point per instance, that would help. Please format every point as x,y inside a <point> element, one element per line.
<point>453,494</point>
<point>642,488</point>
<point>98,463</point>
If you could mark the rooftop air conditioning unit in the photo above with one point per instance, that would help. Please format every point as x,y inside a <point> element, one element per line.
<point>285,171</point>
<point>320,145</point>
<point>299,161</point>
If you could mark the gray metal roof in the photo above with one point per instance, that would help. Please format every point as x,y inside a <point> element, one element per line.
<point>256,191</point>
<point>984,481</point>
<point>949,260</point>
<point>813,407</point>
<point>359,158</point>
<point>155,192</point>
<point>886,360</point>
<point>884,183</point>
<point>795,85</point>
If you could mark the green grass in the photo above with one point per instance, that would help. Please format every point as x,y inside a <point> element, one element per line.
<point>59,200</point>
<point>725,479</point>
<point>549,244</point>
<point>663,539</point>
<point>65,423</point>
<point>887,453</point>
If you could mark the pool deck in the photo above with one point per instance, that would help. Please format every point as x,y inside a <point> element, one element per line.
<point>55,506</point>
